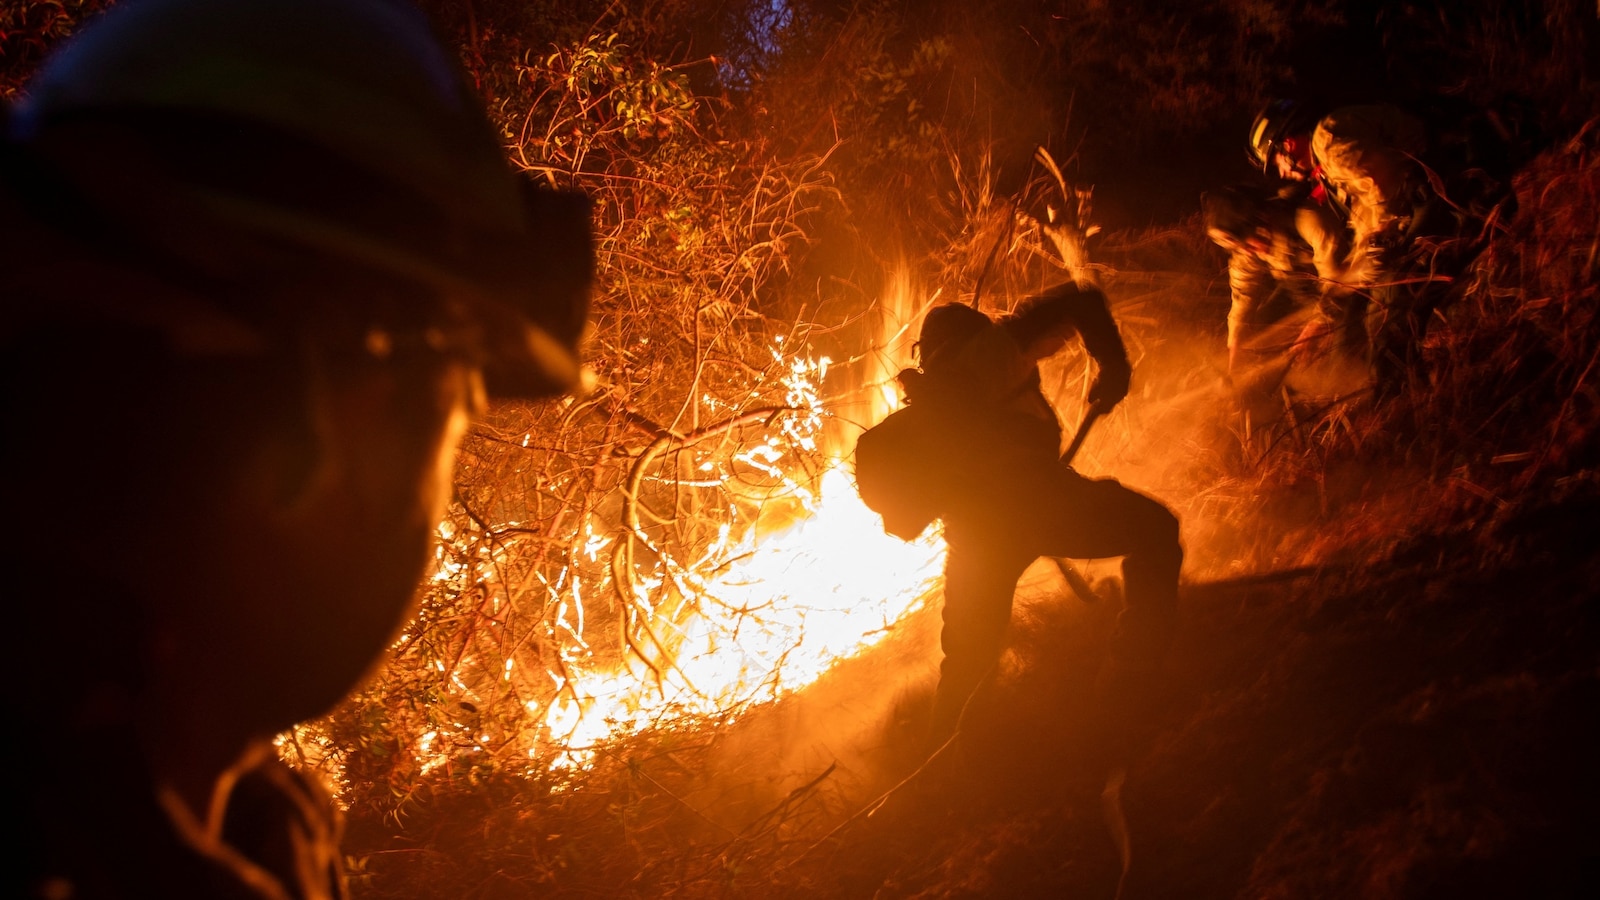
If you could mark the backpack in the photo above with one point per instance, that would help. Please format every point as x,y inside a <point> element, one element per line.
<point>900,470</point>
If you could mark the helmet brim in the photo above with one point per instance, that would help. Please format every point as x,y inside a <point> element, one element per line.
<point>521,282</point>
<point>529,306</point>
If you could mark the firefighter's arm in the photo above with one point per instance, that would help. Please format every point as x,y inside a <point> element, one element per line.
<point>1325,234</point>
<point>1042,325</point>
<point>1250,281</point>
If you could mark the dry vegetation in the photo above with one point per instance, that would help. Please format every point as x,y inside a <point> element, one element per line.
<point>29,29</point>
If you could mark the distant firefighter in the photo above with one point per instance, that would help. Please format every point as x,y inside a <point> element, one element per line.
<point>1414,199</point>
<point>1283,249</point>
<point>261,258</point>
<point>978,446</point>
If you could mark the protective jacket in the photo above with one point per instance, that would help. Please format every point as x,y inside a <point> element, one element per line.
<point>102,827</point>
<point>1368,156</point>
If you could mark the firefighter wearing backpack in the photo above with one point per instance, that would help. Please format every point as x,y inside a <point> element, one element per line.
<point>977,446</point>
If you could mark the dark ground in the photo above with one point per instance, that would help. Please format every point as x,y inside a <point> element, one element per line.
<point>1419,726</point>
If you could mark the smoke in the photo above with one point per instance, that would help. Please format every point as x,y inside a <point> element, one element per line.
<point>814,757</point>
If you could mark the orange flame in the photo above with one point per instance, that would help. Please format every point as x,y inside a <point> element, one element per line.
<point>768,613</point>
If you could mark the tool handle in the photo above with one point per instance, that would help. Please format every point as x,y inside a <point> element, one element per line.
<point>1089,418</point>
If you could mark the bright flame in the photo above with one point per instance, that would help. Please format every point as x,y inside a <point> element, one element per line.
<point>760,614</point>
<point>792,605</point>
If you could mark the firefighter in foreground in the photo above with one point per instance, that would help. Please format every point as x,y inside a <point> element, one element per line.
<point>978,446</point>
<point>261,259</point>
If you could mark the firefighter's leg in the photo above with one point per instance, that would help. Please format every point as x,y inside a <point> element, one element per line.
<point>978,589</point>
<point>1389,330</point>
<point>1150,582</point>
<point>1097,518</point>
<point>1331,357</point>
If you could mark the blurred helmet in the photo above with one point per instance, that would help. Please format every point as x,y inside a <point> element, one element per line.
<point>1278,120</point>
<point>947,326</point>
<point>339,128</point>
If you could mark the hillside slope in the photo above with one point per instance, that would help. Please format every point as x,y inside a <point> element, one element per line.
<point>1420,726</point>
<point>1391,689</point>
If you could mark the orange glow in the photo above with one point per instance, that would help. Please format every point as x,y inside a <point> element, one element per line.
<point>759,613</point>
<point>794,603</point>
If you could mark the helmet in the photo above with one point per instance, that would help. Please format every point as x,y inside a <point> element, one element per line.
<point>1278,120</point>
<point>946,326</point>
<point>340,128</point>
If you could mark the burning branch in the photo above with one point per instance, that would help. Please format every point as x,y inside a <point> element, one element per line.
<point>624,580</point>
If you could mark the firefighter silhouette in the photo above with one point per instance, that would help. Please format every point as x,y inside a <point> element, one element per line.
<point>978,446</point>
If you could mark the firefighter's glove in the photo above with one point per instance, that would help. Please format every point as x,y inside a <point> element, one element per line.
<point>1389,244</point>
<point>1110,385</point>
<point>912,383</point>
